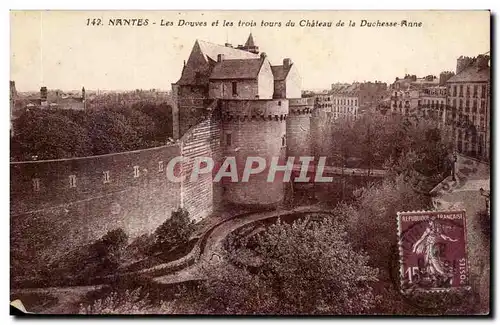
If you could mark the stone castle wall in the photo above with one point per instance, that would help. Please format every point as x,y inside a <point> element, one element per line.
<point>50,217</point>
<point>57,205</point>
<point>202,196</point>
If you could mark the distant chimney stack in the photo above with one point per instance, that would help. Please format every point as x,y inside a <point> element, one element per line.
<point>228,45</point>
<point>43,93</point>
<point>482,62</point>
<point>220,57</point>
<point>463,62</point>
<point>287,63</point>
<point>444,76</point>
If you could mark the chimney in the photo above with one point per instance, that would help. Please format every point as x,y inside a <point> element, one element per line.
<point>228,45</point>
<point>43,93</point>
<point>220,57</point>
<point>444,76</point>
<point>482,62</point>
<point>287,63</point>
<point>462,63</point>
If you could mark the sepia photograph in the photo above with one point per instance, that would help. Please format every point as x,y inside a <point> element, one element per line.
<point>279,163</point>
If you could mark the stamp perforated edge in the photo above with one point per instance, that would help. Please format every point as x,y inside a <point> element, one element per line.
<point>399,214</point>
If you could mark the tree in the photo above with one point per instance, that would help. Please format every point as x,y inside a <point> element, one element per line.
<point>307,267</point>
<point>111,132</point>
<point>44,134</point>
<point>373,228</point>
<point>173,232</point>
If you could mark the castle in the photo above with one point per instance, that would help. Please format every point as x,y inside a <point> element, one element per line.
<point>228,102</point>
<point>256,110</point>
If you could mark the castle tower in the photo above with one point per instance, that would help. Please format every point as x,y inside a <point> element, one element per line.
<point>250,99</point>
<point>254,128</point>
<point>298,127</point>
<point>249,45</point>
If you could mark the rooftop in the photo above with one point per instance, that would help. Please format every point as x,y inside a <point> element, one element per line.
<point>471,74</point>
<point>237,69</point>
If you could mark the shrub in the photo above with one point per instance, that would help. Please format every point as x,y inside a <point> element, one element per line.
<point>130,302</point>
<point>173,232</point>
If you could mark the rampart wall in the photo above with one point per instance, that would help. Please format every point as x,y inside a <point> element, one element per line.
<point>57,205</point>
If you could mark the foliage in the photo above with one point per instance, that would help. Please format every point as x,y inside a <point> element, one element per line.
<point>99,258</point>
<point>173,232</point>
<point>373,226</point>
<point>131,302</point>
<point>58,133</point>
<point>308,267</point>
<point>374,138</point>
<point>44,134</point>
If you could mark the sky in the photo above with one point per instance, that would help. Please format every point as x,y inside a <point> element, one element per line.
<point>59,50</point>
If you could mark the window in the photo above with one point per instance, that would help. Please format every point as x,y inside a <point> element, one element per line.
<point>461,91</point>
<point>460,104</point>
<point>283,141</point>
<point>36,184</point>
<point>480,148</point>
<point>105,175</point>
<point>279,103</point>
<point>467,103</point>
<point>160,166</point>
<point>483,91</point>
<point>136,171</point>
<point>455,90</point>
<point>235,88</point>
<point>474,105</point>
<point>454,103</point>
<point>467,91</point>
<point>475,91</point>
<point>72,181</point>
<point>229,140</point>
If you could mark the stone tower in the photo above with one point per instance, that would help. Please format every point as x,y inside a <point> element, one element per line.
<point>253,101</point>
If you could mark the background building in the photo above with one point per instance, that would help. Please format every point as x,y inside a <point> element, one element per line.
<point>469,106</point>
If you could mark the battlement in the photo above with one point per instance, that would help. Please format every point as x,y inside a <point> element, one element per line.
<point>254,109</point>
<point>301,105</point>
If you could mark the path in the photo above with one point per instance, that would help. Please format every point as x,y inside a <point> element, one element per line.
<point>211,255</point>
<point>332,170</point>
<point>213,251</point>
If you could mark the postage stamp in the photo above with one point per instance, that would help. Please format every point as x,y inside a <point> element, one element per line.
<point>433,250</point>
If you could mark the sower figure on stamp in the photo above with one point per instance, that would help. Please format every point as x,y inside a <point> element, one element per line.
<point>429,245</point>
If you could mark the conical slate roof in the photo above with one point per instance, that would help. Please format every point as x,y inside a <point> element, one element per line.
<point>250,42</point>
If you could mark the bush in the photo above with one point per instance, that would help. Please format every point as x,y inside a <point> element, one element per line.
<point>173,232</point>
<point>130,302</point>
<point>99,258</point>
<point>308,267</point>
